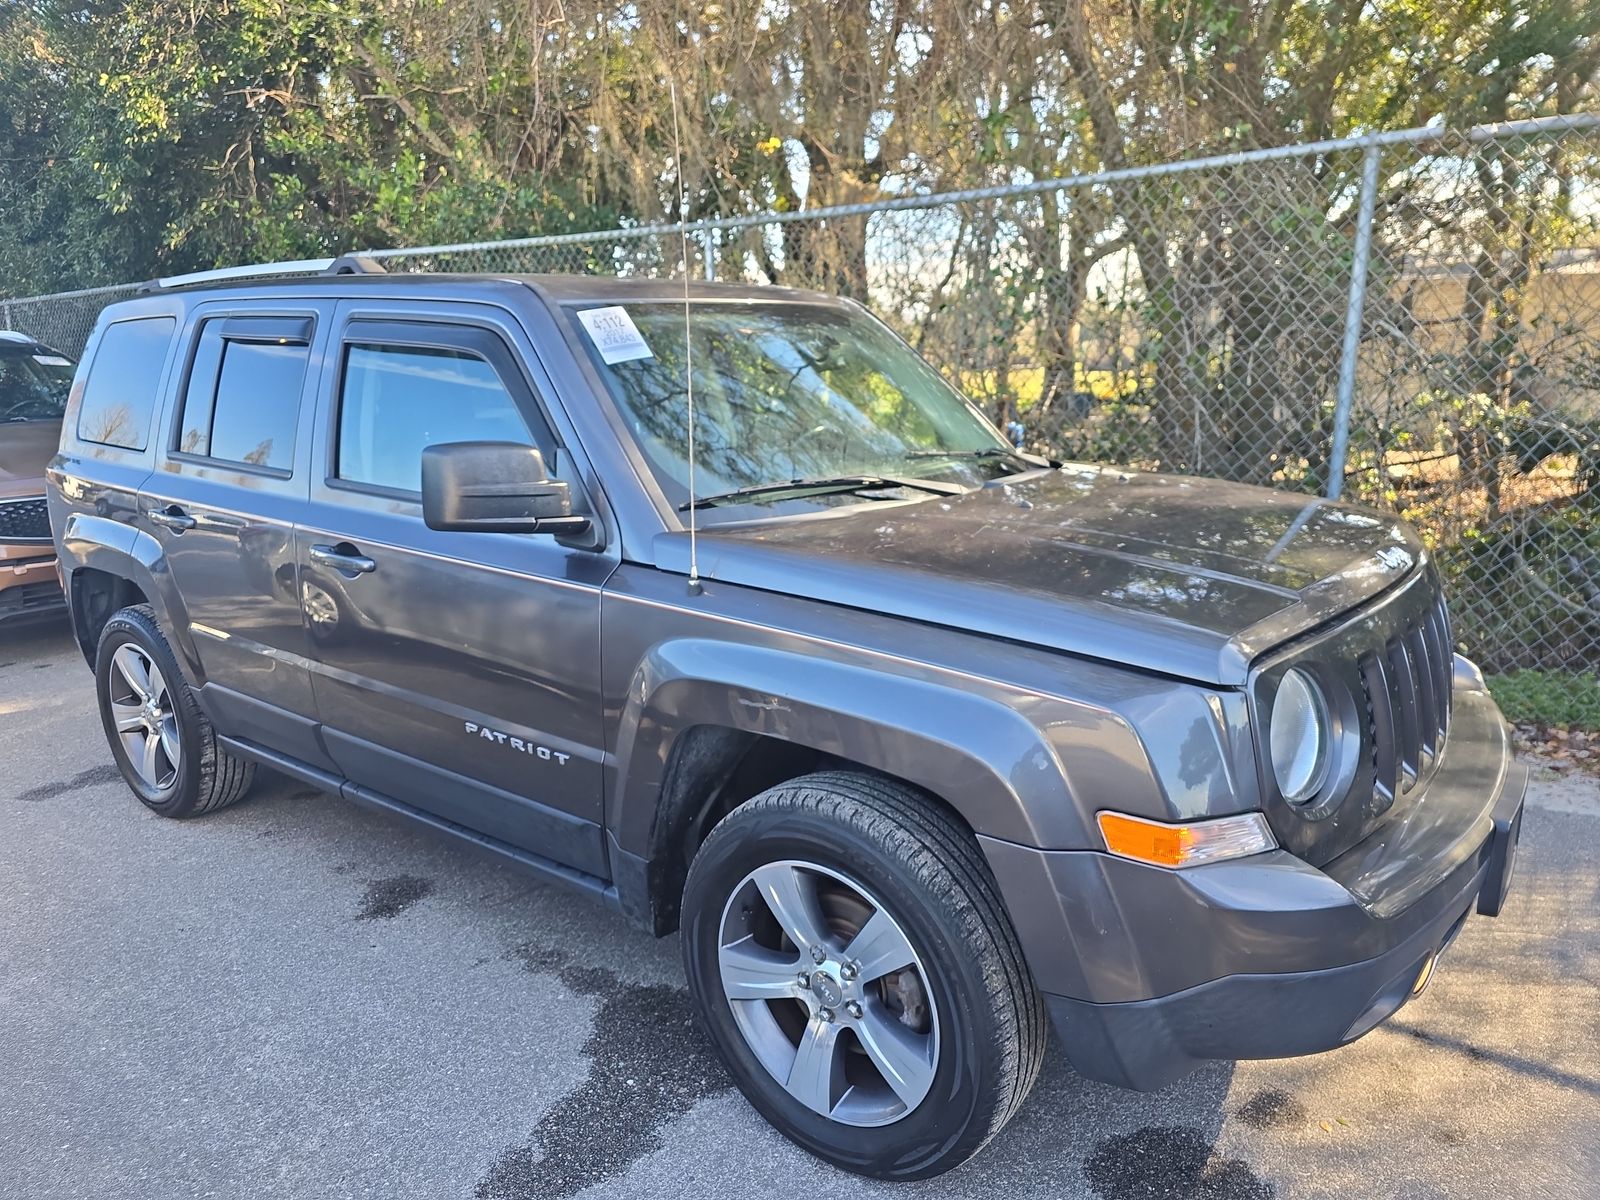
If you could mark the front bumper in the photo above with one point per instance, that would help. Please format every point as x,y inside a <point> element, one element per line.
<point>28,582</point>
<point>1149,972</point>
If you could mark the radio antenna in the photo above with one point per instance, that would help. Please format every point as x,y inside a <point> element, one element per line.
<point>688,349</point>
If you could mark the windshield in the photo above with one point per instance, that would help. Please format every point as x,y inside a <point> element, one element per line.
<point>784,392</point>
<point>33,386</point>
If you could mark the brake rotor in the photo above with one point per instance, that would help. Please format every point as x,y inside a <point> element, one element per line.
<point>903,992</point>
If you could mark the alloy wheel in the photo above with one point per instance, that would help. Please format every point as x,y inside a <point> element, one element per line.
<point>146,722</point>
<point>829,993</point>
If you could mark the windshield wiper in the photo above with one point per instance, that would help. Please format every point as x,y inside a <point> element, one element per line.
<point>1034,461</point>
<point>821,487</point>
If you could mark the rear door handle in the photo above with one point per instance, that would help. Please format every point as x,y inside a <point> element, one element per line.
<point>172,517</point>
<point>343,557</point>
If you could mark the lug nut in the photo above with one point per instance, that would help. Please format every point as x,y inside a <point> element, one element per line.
<point>826,1015</point>
<point>818,955</point>
<point>849,971</point>
<point>854,1010</point>
<point>804,980</point>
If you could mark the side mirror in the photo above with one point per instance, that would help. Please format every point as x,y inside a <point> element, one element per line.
<point>494,487</point>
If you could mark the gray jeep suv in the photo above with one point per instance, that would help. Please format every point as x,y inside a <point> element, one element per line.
<point>924,744</point>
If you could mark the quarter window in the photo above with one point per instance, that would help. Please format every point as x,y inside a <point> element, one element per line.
<point>119,394</point>
<point>243,400</point>
<point>399,400</point>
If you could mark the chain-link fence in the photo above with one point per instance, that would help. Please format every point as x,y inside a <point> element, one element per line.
<point>62,319</point>
<point>1412,319</point>
<point>1478,383</point>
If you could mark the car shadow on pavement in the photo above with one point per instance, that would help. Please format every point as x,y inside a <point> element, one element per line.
<point>1510,1062</point>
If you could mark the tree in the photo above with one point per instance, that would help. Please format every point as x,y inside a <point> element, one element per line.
<point>1230,268</point>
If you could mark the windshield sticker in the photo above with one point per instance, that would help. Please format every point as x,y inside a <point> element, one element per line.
<point>614,334</point>
<point>52,360</point>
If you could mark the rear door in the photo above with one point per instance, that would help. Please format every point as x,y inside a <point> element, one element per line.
<point>229,485</point>
<point>457,672</point>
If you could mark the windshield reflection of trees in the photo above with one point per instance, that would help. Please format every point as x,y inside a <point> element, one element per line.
<point>779,398</point>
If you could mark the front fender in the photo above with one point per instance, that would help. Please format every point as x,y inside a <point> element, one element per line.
<point>978,745</point>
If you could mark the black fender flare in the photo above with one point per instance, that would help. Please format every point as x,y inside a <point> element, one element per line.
<point>92,542</point>
<point>982,757</point>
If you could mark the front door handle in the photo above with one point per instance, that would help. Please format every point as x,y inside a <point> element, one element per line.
<point>343,557</point>
<point>172,517</point>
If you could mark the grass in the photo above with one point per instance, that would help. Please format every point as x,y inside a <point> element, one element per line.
<point>1026,385</point>
<point>1559,698</point>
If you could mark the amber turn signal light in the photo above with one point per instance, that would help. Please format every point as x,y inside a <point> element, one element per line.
<point>1187,844</point>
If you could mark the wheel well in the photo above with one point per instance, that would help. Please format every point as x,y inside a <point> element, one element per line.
<point>711,771</point>
<point>97,596</point>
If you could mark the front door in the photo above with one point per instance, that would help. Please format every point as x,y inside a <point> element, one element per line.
<point>229,484</point>
<point>457,672</point>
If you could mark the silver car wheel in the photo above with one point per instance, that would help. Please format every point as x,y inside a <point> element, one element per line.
<point>829,993</point>
<point>146,721</point>
<point>322,610</point>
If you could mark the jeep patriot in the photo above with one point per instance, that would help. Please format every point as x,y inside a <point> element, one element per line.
<point>923,744</point>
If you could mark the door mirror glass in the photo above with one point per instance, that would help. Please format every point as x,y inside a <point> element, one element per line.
<point>494,487</point>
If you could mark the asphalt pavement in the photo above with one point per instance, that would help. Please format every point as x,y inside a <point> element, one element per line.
<point>299,998</point>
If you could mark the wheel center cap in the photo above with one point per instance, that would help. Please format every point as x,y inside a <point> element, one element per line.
<point>828,989</point>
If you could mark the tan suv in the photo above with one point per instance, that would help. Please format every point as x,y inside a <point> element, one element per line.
<point>34,381</point>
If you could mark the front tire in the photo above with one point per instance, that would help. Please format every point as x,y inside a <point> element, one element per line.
<point>850,957</point>
<point>161,741</point>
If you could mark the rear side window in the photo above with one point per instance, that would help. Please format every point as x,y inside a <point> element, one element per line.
<point>399,400</point>
<point>243,399</point>
<point>119,394</point>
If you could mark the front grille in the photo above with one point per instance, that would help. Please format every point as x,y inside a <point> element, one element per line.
<point>24,520</point>
<point>1407,688</point>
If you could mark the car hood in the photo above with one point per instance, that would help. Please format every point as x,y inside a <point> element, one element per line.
<point>1189,577</point>
<point>25,448</point>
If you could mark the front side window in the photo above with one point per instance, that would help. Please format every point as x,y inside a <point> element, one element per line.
<point>782,393</point>
<point>243,400</point>
<point>398,400</point>
<point>33,384</point>
<point>119,395</point>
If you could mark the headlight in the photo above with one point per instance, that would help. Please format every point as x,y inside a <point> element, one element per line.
<point>1299,737</point>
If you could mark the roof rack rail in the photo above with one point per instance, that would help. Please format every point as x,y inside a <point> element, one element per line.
<point>355,264</point>
<point>348,264</point>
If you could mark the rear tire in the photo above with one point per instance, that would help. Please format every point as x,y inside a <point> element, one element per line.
<point>161,741</point>
<point>899,1074</point>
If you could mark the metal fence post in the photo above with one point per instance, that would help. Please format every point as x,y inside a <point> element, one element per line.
<point>8,324</point>
<point>708,249</point>
<point>1361,255</point>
